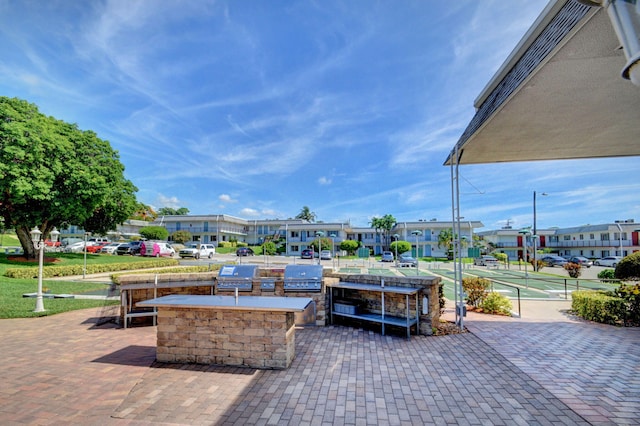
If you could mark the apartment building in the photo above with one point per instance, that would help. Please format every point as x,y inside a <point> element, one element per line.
<point>619,238</point>
<point>298,234</point>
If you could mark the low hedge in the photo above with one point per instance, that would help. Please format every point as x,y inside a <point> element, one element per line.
<point>180,270</point>
<point>599,306</point>
<point>68,270</point>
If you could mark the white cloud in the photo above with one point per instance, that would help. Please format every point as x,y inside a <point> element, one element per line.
<point>226,198</point>
<point>172,202</point>
<point>323,180</point>
<point>249,212</point>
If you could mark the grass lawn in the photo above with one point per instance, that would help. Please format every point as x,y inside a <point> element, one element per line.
<point>13,305</point>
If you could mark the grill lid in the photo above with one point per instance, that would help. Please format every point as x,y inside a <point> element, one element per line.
<point>238,271</point>
<point>303,278</point>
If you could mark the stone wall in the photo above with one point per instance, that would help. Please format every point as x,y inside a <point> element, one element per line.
<point>239,338</point>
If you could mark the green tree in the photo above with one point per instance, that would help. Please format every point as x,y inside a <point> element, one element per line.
<point>306,214</point>
<point>154,232</point>
<point>350,246</point>
<point>445,239</point>
<point>269,248</point>
<point>403,246</point>
<point>629,268</point>
<point>51,172</point>
<point>326,244</point>
<point>384,225</point>
<point>144,212</point>
<point>181,236</point>
<point>168,211</point>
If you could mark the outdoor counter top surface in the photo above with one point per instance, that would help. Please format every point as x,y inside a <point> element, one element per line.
<point>374,287</point>
<point>241,303</point>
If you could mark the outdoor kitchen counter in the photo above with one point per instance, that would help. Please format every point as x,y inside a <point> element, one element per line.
<point>252,331</point>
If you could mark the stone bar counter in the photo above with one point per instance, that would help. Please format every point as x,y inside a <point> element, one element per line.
<point>251,331</point>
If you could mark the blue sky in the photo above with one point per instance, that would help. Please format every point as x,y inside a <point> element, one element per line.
<point>258,108</point>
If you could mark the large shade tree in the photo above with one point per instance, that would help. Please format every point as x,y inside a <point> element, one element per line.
<point>52,173</point>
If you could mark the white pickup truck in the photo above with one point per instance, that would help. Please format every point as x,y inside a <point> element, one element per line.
<point>198,250</point>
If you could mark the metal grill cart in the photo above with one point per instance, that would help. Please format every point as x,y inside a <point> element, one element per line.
<point>307,278</point>
<point>241,277</point>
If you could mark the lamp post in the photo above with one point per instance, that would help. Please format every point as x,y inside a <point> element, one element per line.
<point>535,232</point>
<point>84,268</point>
<point>319,234</point>
<point>524,233</point>
<point>38,244</point>
<point>417,233</point>
<point>396,237</point>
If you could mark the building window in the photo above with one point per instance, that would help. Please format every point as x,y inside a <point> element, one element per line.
<point>581,237</point>
<point>567,237</point>
<point>604,237</point>
<point>592,236</point>
<point>295,234</point>
<point>295,248</point>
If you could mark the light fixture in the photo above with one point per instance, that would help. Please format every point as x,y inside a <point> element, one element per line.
<point>417,233</point>
<point>38,244</point>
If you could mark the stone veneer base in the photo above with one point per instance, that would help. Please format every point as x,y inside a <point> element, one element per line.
<point>264,340</point>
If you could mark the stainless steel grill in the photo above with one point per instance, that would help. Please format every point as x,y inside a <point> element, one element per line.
<point>303,278</point>
<point>241,277</point>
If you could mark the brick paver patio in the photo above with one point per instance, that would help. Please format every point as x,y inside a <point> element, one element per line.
<point>546,369</point>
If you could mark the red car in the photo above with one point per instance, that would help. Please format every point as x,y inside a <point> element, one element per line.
<point>95,247</point>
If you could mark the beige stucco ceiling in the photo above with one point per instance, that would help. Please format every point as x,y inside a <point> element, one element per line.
<point>574,105</point>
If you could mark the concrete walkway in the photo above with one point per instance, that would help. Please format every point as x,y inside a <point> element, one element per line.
<point>546,368</point>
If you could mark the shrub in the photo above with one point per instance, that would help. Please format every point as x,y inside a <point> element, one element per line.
<point>476,289</point>
<point>495,303</point>
<point>598,306</point>
<point>607,275</point>
<point>65,271</point>
<point>574,269</point>
<point>502,257</point>
<point>154,233</point>
<point>631,295</point>
<point>441,299</point>
<point>629,268</point>
<point>269,248</point>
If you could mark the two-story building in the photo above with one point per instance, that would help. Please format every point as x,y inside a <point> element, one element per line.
<point>619,238</point>
<point>298,234</point>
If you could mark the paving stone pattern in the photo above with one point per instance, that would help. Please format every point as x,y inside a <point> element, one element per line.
<point>65,370</point>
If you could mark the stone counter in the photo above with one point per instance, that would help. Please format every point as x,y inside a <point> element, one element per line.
<point>249,331</point>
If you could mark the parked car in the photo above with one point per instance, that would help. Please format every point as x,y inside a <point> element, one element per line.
<point>156,249</point>
<point>244,251</point>
<point>610,261</point>
<point>50,243</point>
<point>325,255</point>
<point>307,254</point>
<point>553,260</point>
<point>110,248</point>
<point>485,260</point>
<point>75,247</point>
<point>198,250</point>
<point>406,260</point>
<point>132,248</point>
<point>387,256</point>
<point>94,247</point>
<point>582,261</point>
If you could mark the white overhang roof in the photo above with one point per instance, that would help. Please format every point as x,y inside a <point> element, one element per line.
<point>559,95</point>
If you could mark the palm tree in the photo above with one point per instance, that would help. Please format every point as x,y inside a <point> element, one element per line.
<point>306,214</point>
<point>384,224</point>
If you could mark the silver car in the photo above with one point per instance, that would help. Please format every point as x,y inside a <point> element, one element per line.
<point>610,261</point>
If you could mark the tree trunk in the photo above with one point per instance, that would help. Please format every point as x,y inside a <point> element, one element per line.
<point>25,241</point>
